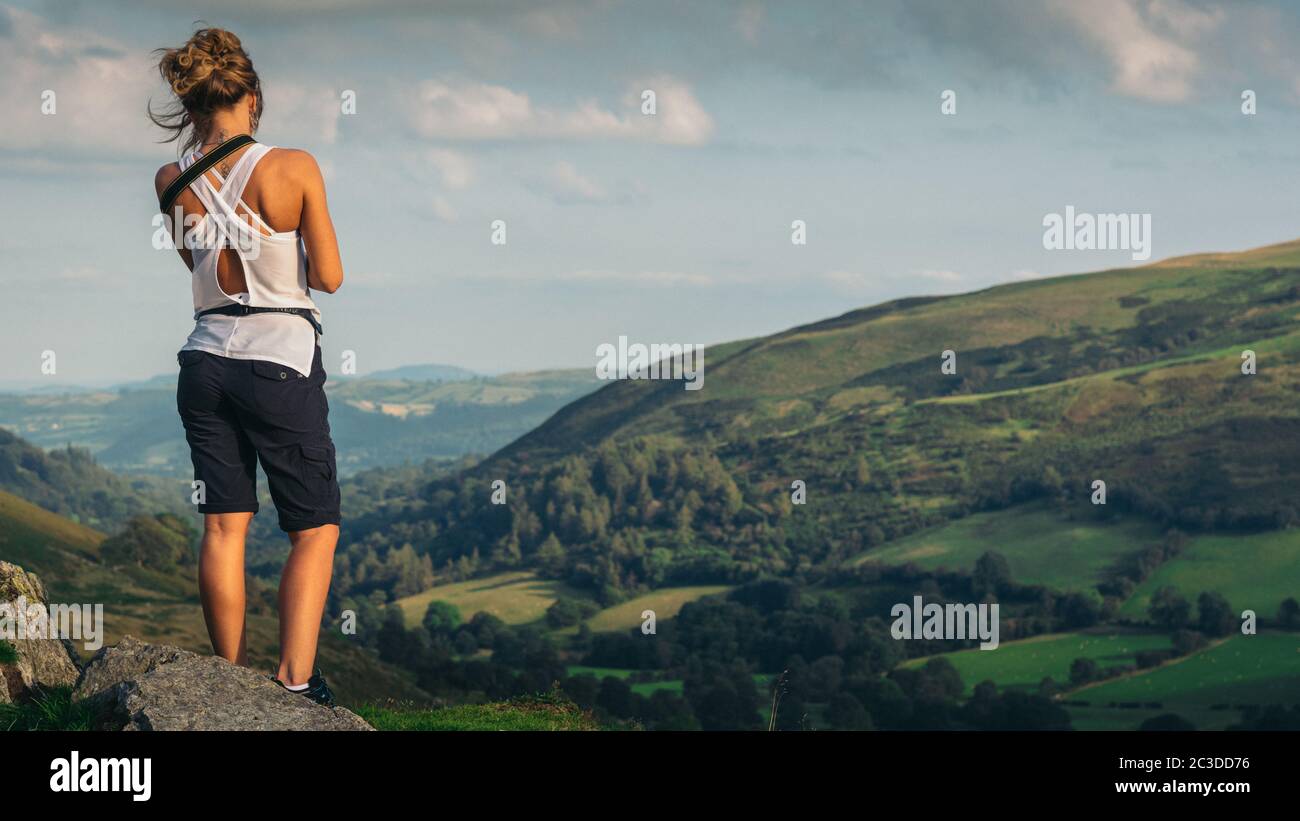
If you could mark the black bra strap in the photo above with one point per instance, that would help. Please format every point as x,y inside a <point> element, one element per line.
<point>199,168</point>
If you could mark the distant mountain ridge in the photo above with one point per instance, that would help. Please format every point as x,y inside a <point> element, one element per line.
<point>431,372</point>
<point>377,421</point>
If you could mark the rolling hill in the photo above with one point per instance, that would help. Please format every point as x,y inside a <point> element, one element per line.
<point>1130,376</point>
<point>69,481</point>
<point>163,606</point>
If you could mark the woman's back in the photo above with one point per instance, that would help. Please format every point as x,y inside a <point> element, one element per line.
<point>243,244</point>
<point>283,191</point>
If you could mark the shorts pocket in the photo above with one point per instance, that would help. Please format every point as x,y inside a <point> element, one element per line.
<point>318,463</point>
<point>278,390</point>
<point>191,393</point>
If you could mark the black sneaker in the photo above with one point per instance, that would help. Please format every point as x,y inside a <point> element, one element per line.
<point>317,690</point>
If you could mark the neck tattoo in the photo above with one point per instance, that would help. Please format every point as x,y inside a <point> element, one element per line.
<point>225,164</point>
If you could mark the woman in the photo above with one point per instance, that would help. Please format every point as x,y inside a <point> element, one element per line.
<point>251,384</point>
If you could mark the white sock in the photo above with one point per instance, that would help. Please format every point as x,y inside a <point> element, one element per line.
<point>295,688</point>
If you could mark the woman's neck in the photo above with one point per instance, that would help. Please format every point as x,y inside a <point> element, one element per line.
<point>222,128</point>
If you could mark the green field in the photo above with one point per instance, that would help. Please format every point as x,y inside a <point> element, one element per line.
<point>515,597</point>
<point>665,602</point>
<point>1253,572</point>
<point>523,597</point>
<point>1041,546</point>
<point>1023,664</point>
<point>1262,669</point>
<point>646,688</point>
<point>522,714</point>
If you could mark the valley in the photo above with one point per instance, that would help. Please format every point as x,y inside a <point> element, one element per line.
<point>974,486</point>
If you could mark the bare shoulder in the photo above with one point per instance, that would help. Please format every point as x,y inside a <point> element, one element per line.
<point>295,163</point>
<point>164,177</point>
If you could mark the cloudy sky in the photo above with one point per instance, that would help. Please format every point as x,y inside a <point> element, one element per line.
<point>672,227</point>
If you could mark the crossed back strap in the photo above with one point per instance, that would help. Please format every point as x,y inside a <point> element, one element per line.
<point>199,168</point>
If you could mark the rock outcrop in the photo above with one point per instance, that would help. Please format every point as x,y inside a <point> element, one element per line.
<point>41,662</point>
<point>139,686</point>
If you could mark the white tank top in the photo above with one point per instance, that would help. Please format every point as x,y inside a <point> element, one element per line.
<point>274,267</point>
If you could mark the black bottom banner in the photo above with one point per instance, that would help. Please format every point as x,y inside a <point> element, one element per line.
<point>301,770</point>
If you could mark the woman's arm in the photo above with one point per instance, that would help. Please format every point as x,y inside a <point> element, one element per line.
<point>324,268</point>
<point>161,180</point>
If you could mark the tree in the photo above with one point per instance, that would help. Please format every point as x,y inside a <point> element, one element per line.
<point>847,713</point>
<point>992,572</point>
<point>1214,614</point>
<point>1082,671</point>
<point>863,472</point>
<point>668,711</point>
<point>1079,609</point>
<point>1167,721</point>
<point>159,542</point>
<point>1169,609</point>
<point>1187,641</point>
<point>1288,613</point>
<point>568,611</point>
<point>551,557</point>
<point>441,617</point>
<point>615,697</point>
<point>1052,483</point>
<point>939,681</point>
<point>393,642</point>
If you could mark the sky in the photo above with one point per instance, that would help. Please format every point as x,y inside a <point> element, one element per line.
<point>671,227</point>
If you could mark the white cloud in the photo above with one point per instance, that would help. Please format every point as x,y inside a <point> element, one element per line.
<point>456,169</point>
<point>859,282</point>
<point>442,209</point>
<point>98,93</point>
<point>1185,20</point>
<point>463,110</point>
<point>100,88</point>
<point>303,114</point>
<point>1145,64</point>
<point>567,185</point>
<point>749,22</point>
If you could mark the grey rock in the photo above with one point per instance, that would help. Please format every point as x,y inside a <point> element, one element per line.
<point>139,686</point>
<point>41,662</point>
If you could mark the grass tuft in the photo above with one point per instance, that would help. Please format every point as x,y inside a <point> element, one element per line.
<point>49,709</point>
<point>548,712</point>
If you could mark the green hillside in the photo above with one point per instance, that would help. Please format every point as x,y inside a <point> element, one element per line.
<point>1041,546</point>
<point>1024,664</point>
<point>1253,571</point>
<point>1131,376</point>
<point>164,607</point>
<point>522,598</point>
<point>70,482</point>
<point>641,489</point>
<point>515,598</point>
<point>1208,688</point>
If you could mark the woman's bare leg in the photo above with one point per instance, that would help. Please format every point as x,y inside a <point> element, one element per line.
<point>303,587</point>
<point>221,583</point>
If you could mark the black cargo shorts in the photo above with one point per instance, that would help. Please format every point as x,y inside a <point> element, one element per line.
<point>238,412</point>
